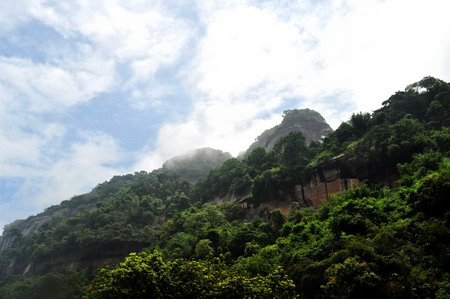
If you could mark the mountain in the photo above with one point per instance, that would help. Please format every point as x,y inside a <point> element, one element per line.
<point>309,122</point>
<point>364,213</point>
<point>196,164</point>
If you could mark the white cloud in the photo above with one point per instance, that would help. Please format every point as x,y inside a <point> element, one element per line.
<point>12,13</point>
<point>37,88</point>
<point>247,63</point>
<point>87,163</point>
<point>106,38</point>
<point>340,49</point>
<point>248,49</point>
<point>22,153</point>
<point>337,57</point>
<point>377,48</point>
<point>145,40</point>
<point>50,173</point>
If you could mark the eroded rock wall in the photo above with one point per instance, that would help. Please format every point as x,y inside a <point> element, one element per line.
<point>324,182</point>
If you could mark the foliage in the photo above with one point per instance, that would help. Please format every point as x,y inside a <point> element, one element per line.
<point>125,216</point>
<point>295,115</point>
<point>352,276</point>
<point>148,275</point>
<point>229,178</point>
<point>68,284</point>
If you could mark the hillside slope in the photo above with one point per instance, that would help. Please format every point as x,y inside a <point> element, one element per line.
<point>369,241</point>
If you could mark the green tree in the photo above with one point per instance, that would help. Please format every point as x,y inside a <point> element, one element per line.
<point>203,249</point>
<point>294,158</point>
<point>354,278</point>
<point>148,275</point>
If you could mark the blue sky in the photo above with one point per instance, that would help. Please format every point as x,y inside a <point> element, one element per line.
<point>91,89</point>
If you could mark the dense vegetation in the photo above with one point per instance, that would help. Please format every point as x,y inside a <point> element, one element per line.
<point>371,241</point>
<point>148,275</point>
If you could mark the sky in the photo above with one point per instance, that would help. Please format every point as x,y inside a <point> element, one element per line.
<point>93,89</point>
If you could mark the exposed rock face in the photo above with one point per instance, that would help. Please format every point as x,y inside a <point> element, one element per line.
<point>309,122</point>
<point>6,241</point>
<point>22,228</point>
<point>95,255</point>
<point>92,257</point>
<point>325,180</point>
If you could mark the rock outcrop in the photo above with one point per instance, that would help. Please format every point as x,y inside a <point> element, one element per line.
<point>309,122</point>
<point>22,228</point>
<point>325,180</point>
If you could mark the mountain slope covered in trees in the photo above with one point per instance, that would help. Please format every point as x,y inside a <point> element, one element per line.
<point>387,238</point>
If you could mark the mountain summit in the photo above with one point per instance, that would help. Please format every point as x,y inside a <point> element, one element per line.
<point>309,122</point>
<point>197,163</point>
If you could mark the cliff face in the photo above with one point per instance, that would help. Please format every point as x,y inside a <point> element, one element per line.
<point>309,122</point>
<point>324,181</point>
<point>92,257</point>
<point>22,228</point>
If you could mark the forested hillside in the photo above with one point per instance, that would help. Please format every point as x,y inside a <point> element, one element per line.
<point>389,237</point>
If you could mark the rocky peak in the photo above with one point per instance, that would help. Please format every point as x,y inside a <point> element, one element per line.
<point>309,122</point>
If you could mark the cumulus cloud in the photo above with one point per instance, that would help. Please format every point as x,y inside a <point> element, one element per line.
<point>243,67</point>
<point>34,150</point>
<point>229,126</point>
<point>246,65</point>
<point>244,47</point>
<point>334,51</point>
<point>40,87</point>
<point>139,41</point>
<point>128,41</point>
